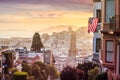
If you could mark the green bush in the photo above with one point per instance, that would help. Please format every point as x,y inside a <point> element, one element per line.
<point>86,67</point>
<point>20,75</point>
<point>102,76</point>
<point>93,73</point>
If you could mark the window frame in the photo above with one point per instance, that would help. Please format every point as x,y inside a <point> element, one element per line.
<point>98,44</point>
<point>98,15</point>
<point>107,51</point>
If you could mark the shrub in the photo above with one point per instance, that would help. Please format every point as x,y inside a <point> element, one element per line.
<point>86,66</point>
<point>20,75</point>
<point>102,76</point>
<point>68,73</point>
<point>36,71</point>
<point>26,68</point>
<point>93,73</point>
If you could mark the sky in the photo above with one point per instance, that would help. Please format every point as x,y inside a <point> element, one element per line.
<point>22,18</point>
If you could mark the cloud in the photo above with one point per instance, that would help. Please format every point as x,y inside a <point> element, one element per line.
<point>45,18</point>
<point>47,1</point>
<point>13,30</point>
<point>62,27</point>
<point>57,28</point>
<point>88,2</point>
<point>51,14</point>
<point>36,15</point>
<point>74,5</point>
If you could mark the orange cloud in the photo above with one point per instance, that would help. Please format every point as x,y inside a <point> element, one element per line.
<point>41,21</point>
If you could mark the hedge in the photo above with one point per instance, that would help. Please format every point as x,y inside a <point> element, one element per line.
<point>20,75</point>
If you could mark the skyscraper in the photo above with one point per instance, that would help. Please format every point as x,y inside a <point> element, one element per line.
<point>73,50</point>
<point>71,60</point>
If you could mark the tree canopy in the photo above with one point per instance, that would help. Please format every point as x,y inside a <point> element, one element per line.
<point>9,57</point>
<point>36,43</point>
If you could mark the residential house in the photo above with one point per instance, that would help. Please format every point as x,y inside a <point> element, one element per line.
<point>110,46</point>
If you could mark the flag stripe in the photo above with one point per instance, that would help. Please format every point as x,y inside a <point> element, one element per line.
<point>92,24</point>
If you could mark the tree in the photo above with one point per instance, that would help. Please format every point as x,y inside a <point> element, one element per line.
<point>86,66</point>
<point>36,71</point>
<point>93,73</point>
<point>8,63</point>
<point>102,76</point>
<point>26,68</point>
<point>53,72</point>
<point>36,43</point>
<point>44,68</point>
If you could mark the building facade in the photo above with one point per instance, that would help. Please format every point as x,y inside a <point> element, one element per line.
<point>110,46</point>
<point>1,59</point>
<point>48,58</point>
<point>97,34</point>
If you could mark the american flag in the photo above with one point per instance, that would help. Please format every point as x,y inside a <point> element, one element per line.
<point>92,24</point>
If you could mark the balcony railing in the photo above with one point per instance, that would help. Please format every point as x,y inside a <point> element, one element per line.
<point>115,22</point>
<point>112,23</point>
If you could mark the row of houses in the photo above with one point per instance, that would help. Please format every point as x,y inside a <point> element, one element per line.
<point>17,56</point>
<point>106,40</point>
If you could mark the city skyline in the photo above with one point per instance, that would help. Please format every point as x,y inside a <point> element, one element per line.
<point>21,18</point>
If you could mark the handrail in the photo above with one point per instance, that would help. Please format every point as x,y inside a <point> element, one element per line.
<point>114,20</point>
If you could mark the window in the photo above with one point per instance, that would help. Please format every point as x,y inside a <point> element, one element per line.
<point>109,51</point>
<point>98,15</point>
<point>98,44</point>
<point>110,9</point>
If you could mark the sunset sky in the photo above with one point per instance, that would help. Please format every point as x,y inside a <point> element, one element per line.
<point>21,18</point>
